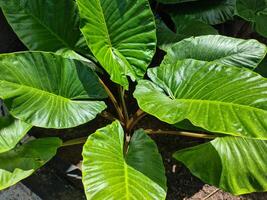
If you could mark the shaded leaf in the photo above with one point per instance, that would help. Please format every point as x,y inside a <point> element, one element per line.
<point>106,175</point>
<point>236,165</point>
<point>121,35</point>
<point>254,11</point>
<point>220,99</point>
<point>185,27</point>
<point>22,161</point>
<point>215,12</point>
<point>220,49</point>
<point>11,132</point>
<point>49,91</point>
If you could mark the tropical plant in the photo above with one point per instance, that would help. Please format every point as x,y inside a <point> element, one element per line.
<point>206,87</point>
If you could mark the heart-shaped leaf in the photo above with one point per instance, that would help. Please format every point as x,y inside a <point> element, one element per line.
<point>234,164</point>
<point>49,91</point>
<point>106,173</point>
<point>121,35</point>
<point>11,132</point>
<point>45,25</point>
<point>219,49</point>
<point>22,161</point>
<point>254,11</point>
<point>221,99</point>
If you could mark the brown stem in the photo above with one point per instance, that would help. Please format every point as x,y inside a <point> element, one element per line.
<point>110,117</point>
<point>181,133</point>
<point>124,108</point>
<point>114,101</point>
<point>135,119</point>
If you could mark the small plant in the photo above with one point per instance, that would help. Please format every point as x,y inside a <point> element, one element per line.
<point>205,86</point>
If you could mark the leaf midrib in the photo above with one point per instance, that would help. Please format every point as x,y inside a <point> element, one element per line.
<point>47,28</point>
<point>37,89</point>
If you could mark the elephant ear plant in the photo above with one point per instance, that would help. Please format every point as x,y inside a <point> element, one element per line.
<point>208,80</point>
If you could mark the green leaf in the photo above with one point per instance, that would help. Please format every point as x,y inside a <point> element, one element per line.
<point>49,91</point>
<point>22,161</point>
<point>106,175</point>
<point>254,11</point>
<point>44,25</point>
<point>174,1</point>
<point>220,99</point>
<point>219,49</point>
<point>143,156</point>
<point>11,132</point>
<point>215,12</point>
<point>236,165</point>
<point>121,35</point>
<point>185,27</point>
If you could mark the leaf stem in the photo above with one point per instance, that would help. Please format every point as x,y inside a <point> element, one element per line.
<point>181,133</point>
<point>135,119</point>
<point>124,108</point>
<point>75,141</point>
<point>113,100</point>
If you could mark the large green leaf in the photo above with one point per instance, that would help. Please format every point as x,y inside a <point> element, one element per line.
<point>222,99</point>
<point>185,27</point>
<point>45,25</point>
<point>215,12</point>
<point>11,132</point>
<point>236,165</point>
<point>22,161</point>
<point>220,49</point>
<point>106,175</point>
<point>49,91</point>
<point>121,35</point>
<point>254,11</point>
<point>143,156</point>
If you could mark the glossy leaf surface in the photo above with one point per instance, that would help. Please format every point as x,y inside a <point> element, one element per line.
<point>255,12</point>
<point>106,175</point>
<point>22,161</point>
<point>221,99</point>
<point>210,12</point>
<point>234,164</point>
<point>11,132</point>
<point>220,49</point>
<point>45,25</point>
<point>49,91</point>
<point>121,35</point>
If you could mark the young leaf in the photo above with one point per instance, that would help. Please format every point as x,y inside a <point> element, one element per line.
<point>220,49</point>
<point>47,90</point>
<point>121,35</point>
<point>22,161</point>
<point>106,175</point>
<point>215,12</point>
<point>11,132</point>
<point>185,27</point>
<point>235,164</point>
<point>221,99</point>
<point>254,11</point>
<point>44,25</point>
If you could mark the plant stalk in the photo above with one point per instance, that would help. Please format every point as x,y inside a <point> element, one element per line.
<point>181,133</point>
<point>124,108</point>
<point>76,141</point>
<point>135,119</point>
<point>113,100</point>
